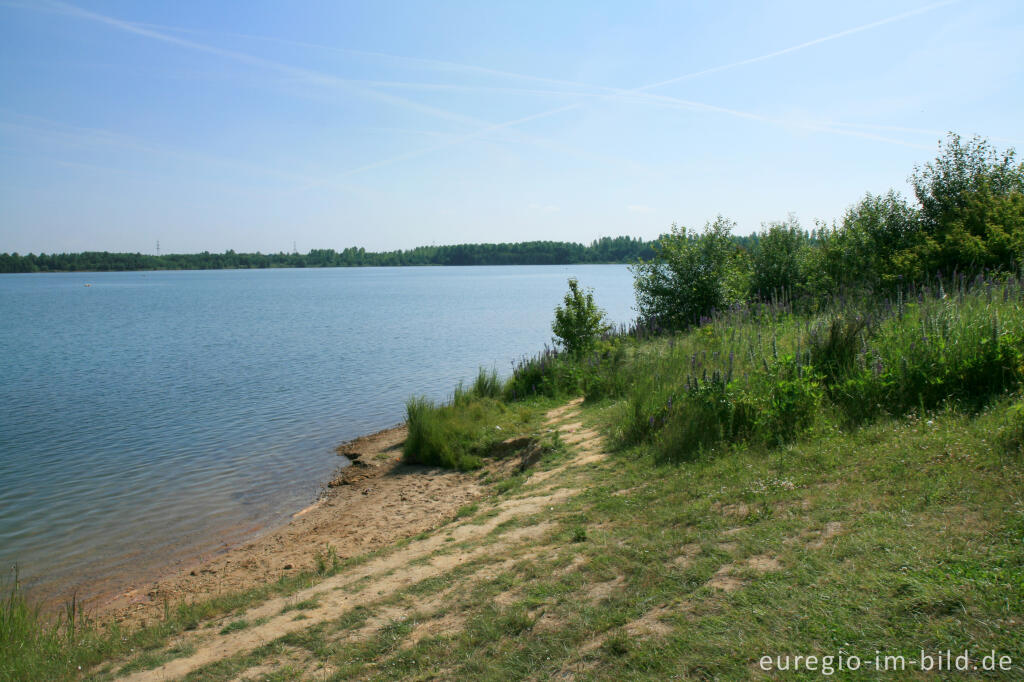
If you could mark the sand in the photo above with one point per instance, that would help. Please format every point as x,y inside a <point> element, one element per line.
<point>370,504</point>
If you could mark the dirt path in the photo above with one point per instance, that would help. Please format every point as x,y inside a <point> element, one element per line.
<point>433,556</point>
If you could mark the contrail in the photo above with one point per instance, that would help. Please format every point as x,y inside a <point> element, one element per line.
<point>640,93</point>
<point>484,128</point>
<point>436,64</point>
<point>641,90</point>
<point>319,78</point>
<point>245,58</point>
<point>801,46</point>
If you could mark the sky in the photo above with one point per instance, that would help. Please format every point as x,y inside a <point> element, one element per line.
<point>267,126</point>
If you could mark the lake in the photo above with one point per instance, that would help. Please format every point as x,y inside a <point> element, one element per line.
<point>149,418</point>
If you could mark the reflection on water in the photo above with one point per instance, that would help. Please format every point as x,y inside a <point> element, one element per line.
<point>151,417</point>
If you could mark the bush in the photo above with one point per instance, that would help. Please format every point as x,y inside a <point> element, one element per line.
<point>833,345</point>
<point>701,419</point>
<point>690,276</point>
<point>972,207</point>
<point>777,260</point>
<point>790,410</point>
<point>873,247</point>
<point>1011,435</point>
<point>579,323</point>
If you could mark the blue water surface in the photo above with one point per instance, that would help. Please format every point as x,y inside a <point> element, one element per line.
<point>150,415</point>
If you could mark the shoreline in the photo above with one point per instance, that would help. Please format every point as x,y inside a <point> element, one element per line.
<point>370,503</point>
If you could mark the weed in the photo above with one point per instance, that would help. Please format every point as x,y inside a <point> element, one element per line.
<point>234,626</point>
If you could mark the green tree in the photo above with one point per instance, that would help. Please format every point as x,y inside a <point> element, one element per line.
<point>972,213</point>
<point>579,323</point>
<point>876,243</point>
<point>690,275</point>
<point>777,259</point>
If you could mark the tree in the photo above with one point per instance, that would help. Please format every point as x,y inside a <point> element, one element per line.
<point>578,323</point>
<point>777,259</point>
<point>876,243</point>
<point>690,275</point>
<point>972,206</point>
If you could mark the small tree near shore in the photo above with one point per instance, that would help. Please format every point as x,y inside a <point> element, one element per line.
<point>579,322</point>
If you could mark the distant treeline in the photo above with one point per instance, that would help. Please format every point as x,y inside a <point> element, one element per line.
<point>603,250</point>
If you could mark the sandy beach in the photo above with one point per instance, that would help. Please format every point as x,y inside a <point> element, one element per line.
<point>369,504</point>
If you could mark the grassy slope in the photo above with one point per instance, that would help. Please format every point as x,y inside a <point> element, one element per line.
<point>902,536</point>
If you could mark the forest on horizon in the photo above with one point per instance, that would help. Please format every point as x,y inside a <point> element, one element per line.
<point>621,249</point>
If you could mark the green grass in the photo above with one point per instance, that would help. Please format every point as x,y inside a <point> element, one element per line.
<point>767,377</point>
<point>460,433</point>
<point>466,510</point>
<point>925,554</point>
<point>927,516</point>
<point>302,605</point>
<point>234,626</point>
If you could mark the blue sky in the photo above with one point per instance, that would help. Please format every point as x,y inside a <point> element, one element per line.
<point>256,125</point>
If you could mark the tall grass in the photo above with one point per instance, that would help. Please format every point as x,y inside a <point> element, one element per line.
<point>763,374</point>
<point>455,434</point>
<point>38,646</point>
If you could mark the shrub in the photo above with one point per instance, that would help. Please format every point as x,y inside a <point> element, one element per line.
<point>606,373</point>
<point>690,276</point>
<point>1011,435</point>
<point>972,206</point>
<point>777,260</point>
<point>580,322</point>
<point>833,345</point>
<point>872,248</point>
<point>790,410</point>
<point>701,419</point>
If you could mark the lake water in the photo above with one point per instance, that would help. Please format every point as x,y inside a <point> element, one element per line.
<point>154,417</point>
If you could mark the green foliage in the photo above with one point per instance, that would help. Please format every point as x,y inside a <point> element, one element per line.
<point>548,374</point>
<point>234,626</point>
<point>579,322</point>
<point>778,260</point>
<point>964,349</point>
<point>447,435</point>
<point>777,406</point>
<point>702,418</point>
<point>765,375</point>
<point>690,276</point>
<point>872,248</point>
<point>972,207</point>
<point>486,385</point>
<point>1011,435</point>
<point>458,433</point>
<point>834,344</point>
